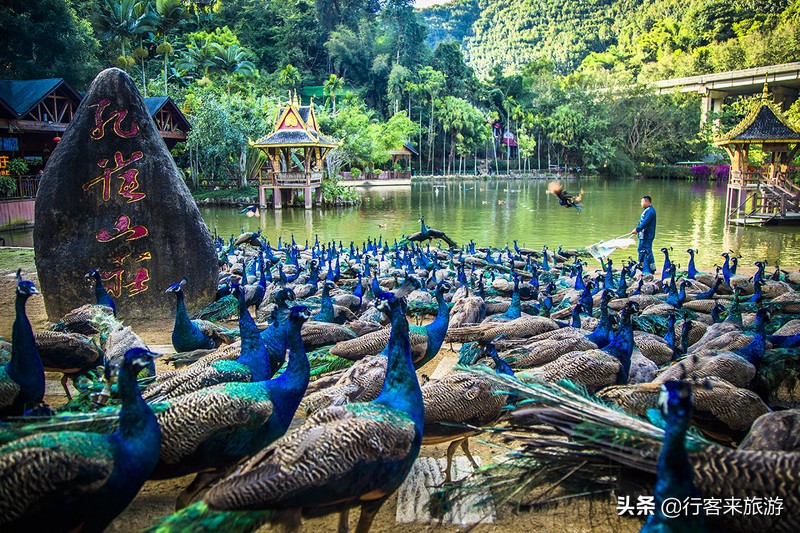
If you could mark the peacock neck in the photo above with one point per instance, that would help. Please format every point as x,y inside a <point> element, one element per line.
<point>287,389</point>
<point>621,347</point>
<point>135,417</point>
<point>253,353</point>
<point>181,315</point>
<point>674,474</point>
<point>400,387</point>
<point>25,363</point>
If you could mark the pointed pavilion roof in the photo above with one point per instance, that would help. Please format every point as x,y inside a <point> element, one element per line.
<point>296,127</point>
<point>765,123</point>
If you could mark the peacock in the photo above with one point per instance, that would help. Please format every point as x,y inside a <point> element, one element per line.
<point>459,404</point>
<point>275,337</point>
<point>100,293</point>
<point>425,340</point>
<point>599,433</point>
<point>213,428</point>
<point>594,368</point>
<point>427,234</point>
<point>70,480</point>
<point>189,335</point>
<point>252,364</point>
<point>22,378</point>
<point>342,457</point>
<point>72,354</point>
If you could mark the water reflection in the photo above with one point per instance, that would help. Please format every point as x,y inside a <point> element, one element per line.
<point>494,212</point>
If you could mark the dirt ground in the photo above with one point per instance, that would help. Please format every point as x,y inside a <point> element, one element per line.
<point>157,498</point>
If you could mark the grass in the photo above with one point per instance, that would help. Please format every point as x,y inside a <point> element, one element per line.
<point>14,258</point>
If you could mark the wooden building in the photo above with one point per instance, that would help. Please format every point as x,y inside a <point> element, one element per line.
<point>296,151</point>
<point>35,113</point>
<point>760,195</point>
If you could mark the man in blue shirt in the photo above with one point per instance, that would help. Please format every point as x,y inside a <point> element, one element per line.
<point>647,231</point>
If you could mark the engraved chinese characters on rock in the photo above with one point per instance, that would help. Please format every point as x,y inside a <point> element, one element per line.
<point>130,178</point>
<point>123,230</point>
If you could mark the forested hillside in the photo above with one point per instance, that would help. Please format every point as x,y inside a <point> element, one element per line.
<point>490,84</point>
<point>648,38</point>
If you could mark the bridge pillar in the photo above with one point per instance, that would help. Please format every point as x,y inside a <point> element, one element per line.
<point>784,96</point>
<point>711,103</point>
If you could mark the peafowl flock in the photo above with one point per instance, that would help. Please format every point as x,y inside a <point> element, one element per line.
<point>592,353</point>
<point>355,455</point>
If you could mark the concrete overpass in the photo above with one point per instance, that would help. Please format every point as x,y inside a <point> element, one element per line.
<point>784,84</point>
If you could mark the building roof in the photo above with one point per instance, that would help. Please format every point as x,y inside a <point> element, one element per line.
<point>765,123</point>
<point>19,97</point>
<point>156,103</point>
<point>295,127</point>
<point>407,148</point>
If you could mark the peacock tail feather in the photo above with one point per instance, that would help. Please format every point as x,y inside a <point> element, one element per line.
<point>226,308</point>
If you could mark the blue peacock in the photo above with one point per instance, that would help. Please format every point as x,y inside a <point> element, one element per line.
<point>22,378</point>
<point>213,428</point>
<point>70,480</point>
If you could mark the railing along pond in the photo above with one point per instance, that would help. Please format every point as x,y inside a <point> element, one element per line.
<point>25,187</point>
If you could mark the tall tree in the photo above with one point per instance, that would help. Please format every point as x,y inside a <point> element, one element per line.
<point>230,60</point>
<point>289,77</point>
<point>45,39</point>
<point>333,85</point>
<point>119,21</point>
<point>169,17</point>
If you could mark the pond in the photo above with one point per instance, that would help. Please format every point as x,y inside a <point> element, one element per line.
<point>495,211</point>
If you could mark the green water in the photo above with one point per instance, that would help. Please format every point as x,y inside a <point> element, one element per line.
<point>494,212</point>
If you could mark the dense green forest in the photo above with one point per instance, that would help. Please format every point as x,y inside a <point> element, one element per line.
<point>566,79</point>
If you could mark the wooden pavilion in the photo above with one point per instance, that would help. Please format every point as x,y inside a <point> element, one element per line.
<point>760,195</point>
<point>401,158</point>
<point>296,151</point>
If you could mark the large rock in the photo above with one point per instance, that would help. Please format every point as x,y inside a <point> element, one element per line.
<point>112,199</point>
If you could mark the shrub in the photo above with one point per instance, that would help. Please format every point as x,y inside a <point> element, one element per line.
<point>355,173</point>
<point>722,172</point>
<point>701,172</point>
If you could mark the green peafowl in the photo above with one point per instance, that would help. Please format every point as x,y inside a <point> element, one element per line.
<point>251,365</point>
<point>100,293</point>
<point>189,335</point>
<point>213,428</point>
<point>22,378</point>
<point>344,456</point>
<point>74,481</point>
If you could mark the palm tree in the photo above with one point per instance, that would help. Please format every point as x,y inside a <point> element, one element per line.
<point>230,60</point>
<point>289,76</point>
<point>170,14</point>
<point>333,85</point>
<point>119,21</point>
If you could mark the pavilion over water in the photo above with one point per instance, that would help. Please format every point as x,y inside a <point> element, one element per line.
<point>760,195</point>
<point>296,151</point>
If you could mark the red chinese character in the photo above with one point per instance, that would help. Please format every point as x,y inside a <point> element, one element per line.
<point>117,116</point>
<point>129,178</point>
<point>123,229</point>
<point>139,282</point>
<point>115,276</point>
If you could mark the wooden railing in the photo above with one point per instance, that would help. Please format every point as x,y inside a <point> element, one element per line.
<point>291,179</point>
<point>26,187</point>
